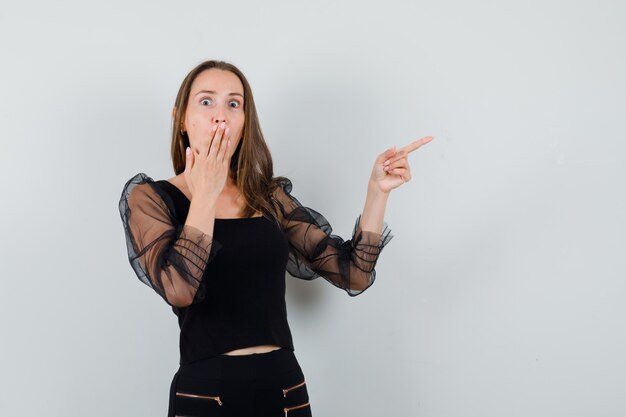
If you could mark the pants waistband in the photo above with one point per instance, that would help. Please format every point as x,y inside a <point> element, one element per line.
<point>249,366</point>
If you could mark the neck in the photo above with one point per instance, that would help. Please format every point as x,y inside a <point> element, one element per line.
<point>230,182</point>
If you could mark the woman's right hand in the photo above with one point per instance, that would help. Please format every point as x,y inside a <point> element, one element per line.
<point>206,173</point>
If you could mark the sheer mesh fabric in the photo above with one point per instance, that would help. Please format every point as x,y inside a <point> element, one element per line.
<point>172,258</point>
<point>315,251</point>
<point>168,257</point>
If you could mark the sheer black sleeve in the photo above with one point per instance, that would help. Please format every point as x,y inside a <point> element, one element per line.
<point>315,251</point>
<point>168,257</point>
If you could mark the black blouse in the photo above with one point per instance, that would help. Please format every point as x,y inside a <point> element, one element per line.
<point>235,279</point>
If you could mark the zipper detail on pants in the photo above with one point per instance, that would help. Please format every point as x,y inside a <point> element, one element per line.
<point>286,390</point>
<point>205,397</point>
<point>287,410</point>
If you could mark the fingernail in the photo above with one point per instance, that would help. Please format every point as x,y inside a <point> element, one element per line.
<point>223,124</point>
<point>214,128</point>
<point>187,150</point>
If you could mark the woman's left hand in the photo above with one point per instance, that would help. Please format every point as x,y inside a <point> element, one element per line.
<point>392,169</point>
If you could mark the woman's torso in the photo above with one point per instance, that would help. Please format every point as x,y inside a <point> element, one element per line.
<point>228,206</point>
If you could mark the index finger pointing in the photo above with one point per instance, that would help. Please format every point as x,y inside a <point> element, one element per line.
<point>417,143</point>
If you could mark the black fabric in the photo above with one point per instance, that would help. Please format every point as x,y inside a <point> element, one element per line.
<point>268,384</point>
<point>167,255</point>
<point>235,279</point>
<point>315,251</point>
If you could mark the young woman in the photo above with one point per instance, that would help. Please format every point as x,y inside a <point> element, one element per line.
<point>215,240</point>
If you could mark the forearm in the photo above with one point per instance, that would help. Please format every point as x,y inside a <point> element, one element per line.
<point>192,253</point>
<point>202,215</point>
<point>373,215</point>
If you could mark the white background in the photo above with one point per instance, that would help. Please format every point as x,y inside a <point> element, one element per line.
<point>502,292</point>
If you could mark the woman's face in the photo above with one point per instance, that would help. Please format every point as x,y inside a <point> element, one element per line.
<point>216,96</point>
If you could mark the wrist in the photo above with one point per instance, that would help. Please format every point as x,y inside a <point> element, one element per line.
<point>374,190</point>
<point>205,201</point>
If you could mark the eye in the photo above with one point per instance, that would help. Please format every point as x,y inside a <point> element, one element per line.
<point>204,100</point>
<point>237,103</point>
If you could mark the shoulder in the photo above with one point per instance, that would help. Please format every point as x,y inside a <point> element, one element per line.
<point>178,181</point>
<point>139,183</point>
<point>148,197</point>
<point>140,189</point>
<point>281,183</point>
<point>282,195</point>
<point>279,192</point>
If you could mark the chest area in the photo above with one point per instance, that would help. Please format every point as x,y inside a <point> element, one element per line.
<point>250,245</point>
<point>230,204</point>
<point>245,243</point>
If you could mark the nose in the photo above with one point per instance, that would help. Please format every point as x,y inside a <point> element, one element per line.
<point>218,116</point>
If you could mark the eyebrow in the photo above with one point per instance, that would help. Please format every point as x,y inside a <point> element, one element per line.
<point>213,92</point>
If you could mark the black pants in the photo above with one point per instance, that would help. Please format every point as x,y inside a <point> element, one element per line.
<point>256,385</point>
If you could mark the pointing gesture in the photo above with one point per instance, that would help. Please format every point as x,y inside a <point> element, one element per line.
<point>392,169</point>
